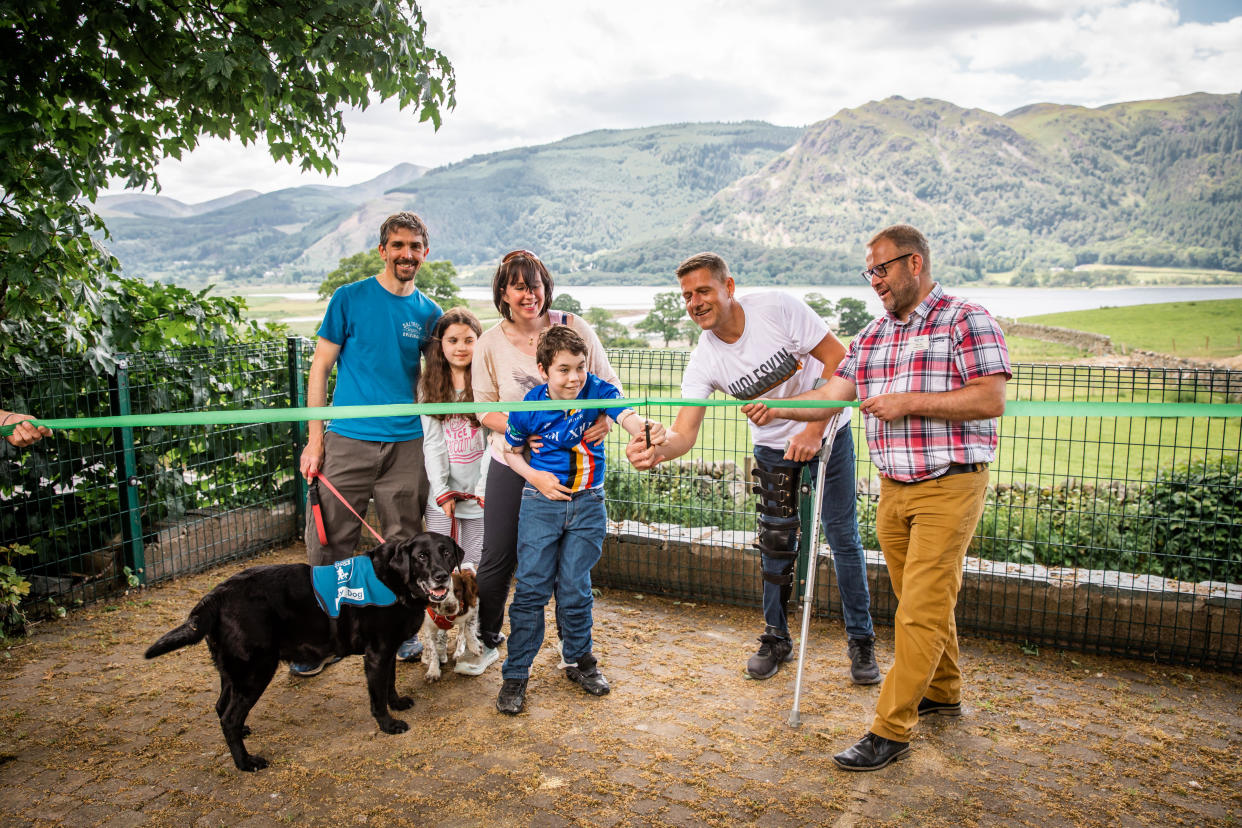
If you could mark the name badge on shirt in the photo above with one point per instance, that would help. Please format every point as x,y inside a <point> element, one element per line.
<point>919,343</point>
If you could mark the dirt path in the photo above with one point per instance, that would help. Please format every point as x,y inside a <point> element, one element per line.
<point>93,734</point>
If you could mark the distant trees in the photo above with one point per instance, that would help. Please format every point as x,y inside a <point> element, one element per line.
<point>665,318</point>
<point>819,303</point>
<point>852,316</point>
<point>567,303</point>
<point>611,332</point>
<point>436,279</point>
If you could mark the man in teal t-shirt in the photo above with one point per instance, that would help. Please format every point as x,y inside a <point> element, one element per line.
<point>374,331</point>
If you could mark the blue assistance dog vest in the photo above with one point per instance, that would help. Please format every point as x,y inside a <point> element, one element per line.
<point>351,581</point>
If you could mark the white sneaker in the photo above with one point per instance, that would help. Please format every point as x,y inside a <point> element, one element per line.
<point>472,665</point>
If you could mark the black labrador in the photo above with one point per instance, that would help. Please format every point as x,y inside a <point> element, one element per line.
<point>266,614</point>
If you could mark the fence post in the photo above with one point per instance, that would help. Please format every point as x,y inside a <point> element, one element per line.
<point>127,481</point>
<point>298,431</point>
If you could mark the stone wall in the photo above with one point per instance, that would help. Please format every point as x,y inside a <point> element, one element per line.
<point>1092,343</point>
<point>1110,612</point>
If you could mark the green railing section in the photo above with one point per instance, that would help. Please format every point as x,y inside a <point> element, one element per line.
<point>1091,523</point>
<point>105,509</point>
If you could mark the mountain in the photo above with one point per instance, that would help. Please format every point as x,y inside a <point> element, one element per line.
<point>597,191</point>
<point>1148,182</point>
<point>242,239</point>
<point>1045,186</point>
<point>141,205</point>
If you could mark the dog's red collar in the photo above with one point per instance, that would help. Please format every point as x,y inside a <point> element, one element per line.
<point>444,622</point>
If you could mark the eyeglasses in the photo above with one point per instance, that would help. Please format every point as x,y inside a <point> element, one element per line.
<point>519,254</point>
<point>881,270</point>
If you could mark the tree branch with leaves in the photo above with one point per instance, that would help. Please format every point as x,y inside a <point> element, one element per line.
<point>101,91</point>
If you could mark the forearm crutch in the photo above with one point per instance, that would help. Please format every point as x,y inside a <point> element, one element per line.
<point>808,597</point>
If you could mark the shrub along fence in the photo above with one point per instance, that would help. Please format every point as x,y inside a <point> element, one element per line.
<point>1103,534</point>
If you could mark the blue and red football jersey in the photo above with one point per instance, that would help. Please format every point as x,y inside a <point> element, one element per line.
<point>564,453</point>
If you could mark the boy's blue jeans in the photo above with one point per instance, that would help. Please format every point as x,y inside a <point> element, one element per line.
<point>558,543</point>
<point>840,526</point>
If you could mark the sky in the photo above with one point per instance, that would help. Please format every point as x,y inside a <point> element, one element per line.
<point>537,71</point>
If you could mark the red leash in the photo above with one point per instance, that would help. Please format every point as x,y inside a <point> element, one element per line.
<point>313,500</point>
<point>456,496</point>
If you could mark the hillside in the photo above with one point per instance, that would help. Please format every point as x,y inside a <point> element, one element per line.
<point>597,191</point>
<point>1043,188</point>
<point>242,239</point>
<point>1150,182</point>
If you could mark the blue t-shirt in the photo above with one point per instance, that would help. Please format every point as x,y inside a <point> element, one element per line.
<point>381,337</point>
<point>576,464</point>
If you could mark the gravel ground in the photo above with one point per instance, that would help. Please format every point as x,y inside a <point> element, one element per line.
<point>93,734</point>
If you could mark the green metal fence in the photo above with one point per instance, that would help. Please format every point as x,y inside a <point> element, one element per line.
<point>1100,534</point>
<point>106,509</point>
<point>1106,535</point>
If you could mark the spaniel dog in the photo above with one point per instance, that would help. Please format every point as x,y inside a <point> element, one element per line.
<point>460,610</point>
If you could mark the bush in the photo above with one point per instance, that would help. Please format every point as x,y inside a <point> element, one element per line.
<point>1192,518</point>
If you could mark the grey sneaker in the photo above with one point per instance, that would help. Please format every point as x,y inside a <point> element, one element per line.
<point>773,651</point>
<point>410,650</point>
<point>312,668</point>
<point>863,669</point>
<point>474,665</point>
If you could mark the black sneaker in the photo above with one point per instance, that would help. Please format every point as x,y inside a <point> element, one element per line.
<point>773,650</point>
<point>939,708</point>
<point>863,669</point>
<point>586,673</point>
<point>512,697</point>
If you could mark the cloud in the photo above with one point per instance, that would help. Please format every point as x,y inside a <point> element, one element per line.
<point>542,70</point>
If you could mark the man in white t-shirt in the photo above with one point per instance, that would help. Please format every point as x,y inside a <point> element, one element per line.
<point>773,345</point>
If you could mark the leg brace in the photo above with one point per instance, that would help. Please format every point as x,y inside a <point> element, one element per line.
<point>778,488</point>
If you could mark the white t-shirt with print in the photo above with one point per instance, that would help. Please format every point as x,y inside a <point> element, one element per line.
<point>771,359</point>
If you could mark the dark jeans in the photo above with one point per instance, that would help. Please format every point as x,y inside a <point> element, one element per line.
<point>840,526</point>
<point>559,541</point>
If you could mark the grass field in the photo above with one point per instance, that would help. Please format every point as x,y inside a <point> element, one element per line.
<point>1191,329</point>
<point>1032,450</point>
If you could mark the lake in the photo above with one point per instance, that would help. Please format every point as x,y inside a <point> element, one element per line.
<point>1000,301</point>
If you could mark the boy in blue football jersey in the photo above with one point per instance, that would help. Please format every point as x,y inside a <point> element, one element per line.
<point>562,521</point>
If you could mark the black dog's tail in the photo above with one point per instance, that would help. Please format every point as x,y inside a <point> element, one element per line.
<point>202,620</point>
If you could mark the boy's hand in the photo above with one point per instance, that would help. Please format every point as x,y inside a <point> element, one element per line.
<point>654,432</point>
<point>598,430</point>
<point>641,455</point>
<point>549,486</point>
<point>534,442</point>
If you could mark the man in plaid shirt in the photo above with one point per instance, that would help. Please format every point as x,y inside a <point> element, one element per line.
<point>930,376</point>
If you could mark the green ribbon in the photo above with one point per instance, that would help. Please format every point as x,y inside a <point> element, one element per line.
<point>1013,408</point>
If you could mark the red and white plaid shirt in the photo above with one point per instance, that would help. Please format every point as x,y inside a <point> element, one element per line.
<point>944,343</point>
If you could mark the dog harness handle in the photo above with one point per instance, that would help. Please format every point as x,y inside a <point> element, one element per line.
<point>317,476</point>
<point>312,498</point>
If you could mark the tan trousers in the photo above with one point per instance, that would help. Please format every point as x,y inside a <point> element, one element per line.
<point>391,473</point>
<point>924,530</point>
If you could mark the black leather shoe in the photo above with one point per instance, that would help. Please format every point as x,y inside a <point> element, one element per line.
<point>774,650</point>
<point>863,669</point>
<point>586,673</point>
<point>940,708</point>
<point>871,753</point>
<point>512,697</point>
